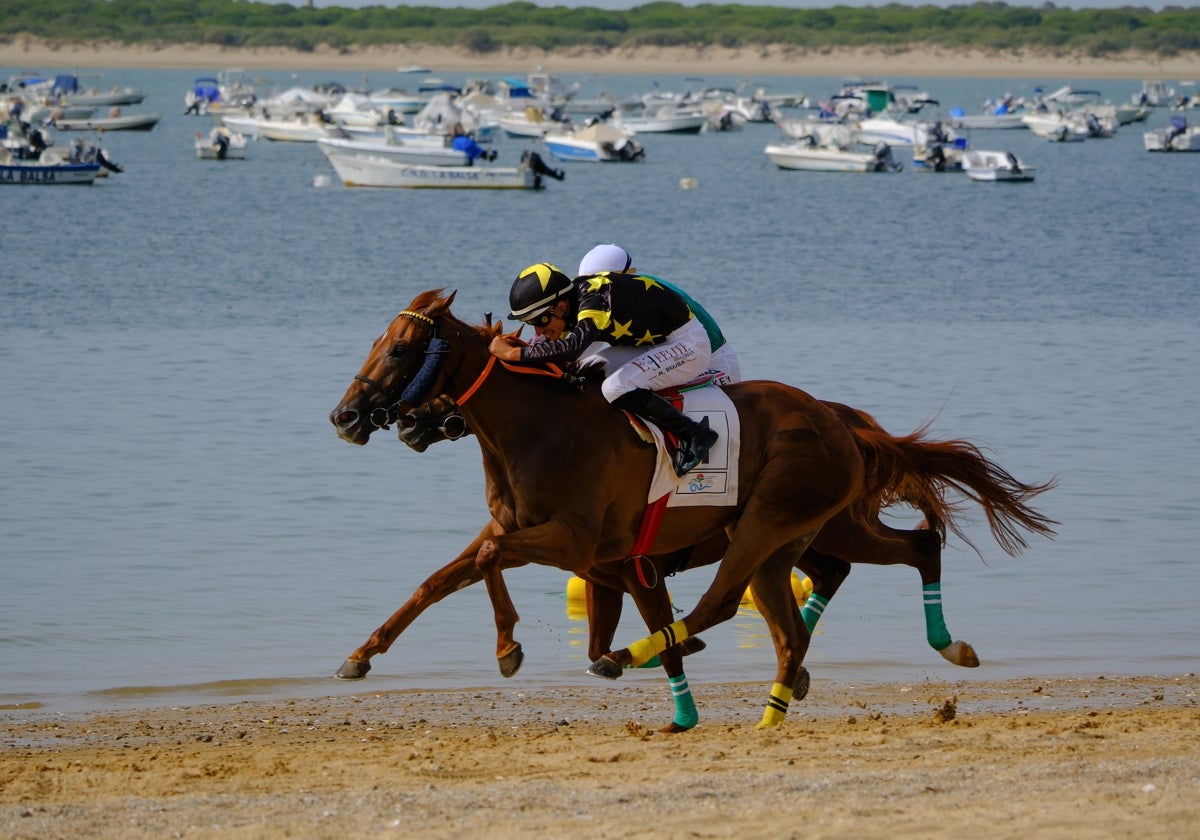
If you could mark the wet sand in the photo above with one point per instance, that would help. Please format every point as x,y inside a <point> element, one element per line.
<point>1056,757</point>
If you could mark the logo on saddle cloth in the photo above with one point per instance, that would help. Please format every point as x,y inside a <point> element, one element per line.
<point>713,482</point>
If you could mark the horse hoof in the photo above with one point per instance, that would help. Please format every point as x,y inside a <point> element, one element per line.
<point>960,653</point>
<point>510,663</point>
<point>692,644</point>
<point>800,689</point>
<point>352,669</point>
<point>605,668</point>
<point>673,728</point>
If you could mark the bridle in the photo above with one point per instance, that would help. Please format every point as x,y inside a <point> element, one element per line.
<point>415,390</point>
<point>412,390</point>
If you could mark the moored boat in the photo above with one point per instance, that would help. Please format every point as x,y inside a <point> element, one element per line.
<point>369,171</point>
<point>811,157</point>
<point>986,165</point>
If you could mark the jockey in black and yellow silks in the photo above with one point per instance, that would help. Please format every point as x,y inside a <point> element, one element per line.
<point>654,342</point>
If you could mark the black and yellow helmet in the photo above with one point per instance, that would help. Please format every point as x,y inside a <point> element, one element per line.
<point>535,290</point>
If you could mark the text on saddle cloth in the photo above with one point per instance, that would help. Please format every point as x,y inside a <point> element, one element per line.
<point>715,481</point>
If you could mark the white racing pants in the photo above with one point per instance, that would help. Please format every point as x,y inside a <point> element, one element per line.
<point>684,355</point>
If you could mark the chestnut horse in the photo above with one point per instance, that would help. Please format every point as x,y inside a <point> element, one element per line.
<point>557,464</point>
<point>827,561</point>
<point>568,477</point>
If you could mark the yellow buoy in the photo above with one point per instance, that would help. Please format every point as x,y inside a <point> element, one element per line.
<point>576,589</point>
<point>801,588</point>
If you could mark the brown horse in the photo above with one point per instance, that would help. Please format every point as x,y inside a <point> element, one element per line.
<point>801,464</point>
<point>827,561</point>
<point>567,480</point>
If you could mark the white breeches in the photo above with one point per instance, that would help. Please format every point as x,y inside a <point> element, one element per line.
<point>684,356</point>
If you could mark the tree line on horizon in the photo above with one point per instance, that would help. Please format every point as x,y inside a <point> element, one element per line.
<point>244,24</point>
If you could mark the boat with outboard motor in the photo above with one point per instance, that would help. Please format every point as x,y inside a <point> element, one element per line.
<point>368,171</point>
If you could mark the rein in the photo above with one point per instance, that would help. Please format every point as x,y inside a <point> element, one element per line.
<point>417,389</point>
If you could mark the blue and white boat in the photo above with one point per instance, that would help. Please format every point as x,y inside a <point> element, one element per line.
<point>599,142</point>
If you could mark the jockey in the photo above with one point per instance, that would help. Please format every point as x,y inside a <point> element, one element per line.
<point>654,340</point>
<point>725,365</point>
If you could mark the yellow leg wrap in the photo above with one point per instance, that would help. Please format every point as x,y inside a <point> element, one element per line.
<point>777,707</point>
<point>646,649</point>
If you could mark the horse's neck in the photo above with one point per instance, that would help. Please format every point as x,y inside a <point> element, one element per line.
<point>537,434</point>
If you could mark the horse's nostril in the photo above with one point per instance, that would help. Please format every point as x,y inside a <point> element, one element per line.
<point>344,418</point>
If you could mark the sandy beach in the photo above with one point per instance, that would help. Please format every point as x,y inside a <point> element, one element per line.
<point>759,61</point>
<point>1057,757</point>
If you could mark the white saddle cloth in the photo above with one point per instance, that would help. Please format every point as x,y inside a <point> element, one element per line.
<point>713,482</point>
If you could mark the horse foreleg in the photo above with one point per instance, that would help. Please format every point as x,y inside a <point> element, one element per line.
<point>654,604</point>
<point>604,614</point>
<point>541,544</point>
<point>459,573</point>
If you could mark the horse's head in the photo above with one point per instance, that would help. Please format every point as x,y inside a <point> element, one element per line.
<point>403,368</point>
<point>431,422</point>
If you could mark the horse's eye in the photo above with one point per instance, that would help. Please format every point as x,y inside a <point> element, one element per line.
<point>398,350</point>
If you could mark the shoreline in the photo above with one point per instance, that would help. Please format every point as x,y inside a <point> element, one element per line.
<point>1056,757</point>
<point>776,60</point>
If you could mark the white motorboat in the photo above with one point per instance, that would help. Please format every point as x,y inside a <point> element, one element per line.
<point>68,89</point>
<point>44,170</point>
<point>221,144</point>
<point>304,128</point>
<point>1056,126</point>
<point>531,122</point>
<point>986,121</point>
<point>1154,94</point>
<point>937,148</point>
<point>368,171</point>
<point>811,157</point>
<point>397,151</point>
<point>981,165</point>
<point>599,142</point>
<point>885,128</point>
<point>31,159</point>
<point>1176,137</point>
<point>115,121</point>
<point>664,119</point>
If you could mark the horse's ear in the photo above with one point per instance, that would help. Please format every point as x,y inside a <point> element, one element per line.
<point>442,305</point>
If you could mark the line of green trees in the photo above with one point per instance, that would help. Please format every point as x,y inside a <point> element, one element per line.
<point>239,23</point>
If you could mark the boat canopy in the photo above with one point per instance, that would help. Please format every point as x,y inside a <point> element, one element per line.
<point>66,83</point>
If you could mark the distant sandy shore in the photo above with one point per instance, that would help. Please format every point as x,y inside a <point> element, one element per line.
<point>710,61</point>
<point>1047,758</point>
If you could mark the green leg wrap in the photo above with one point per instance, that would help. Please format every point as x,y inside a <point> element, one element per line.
<point>935,623</point>
<point>685,707</point>
<point>813,609</point>
<point>652,662</point>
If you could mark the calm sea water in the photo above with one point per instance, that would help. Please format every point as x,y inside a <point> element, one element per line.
<point>180,524</point>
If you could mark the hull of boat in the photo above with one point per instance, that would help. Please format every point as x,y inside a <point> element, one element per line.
<point>818,159</point>
<point>66,173</point>
<point>379,172</point>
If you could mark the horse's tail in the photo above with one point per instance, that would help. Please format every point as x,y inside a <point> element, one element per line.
<point>918,471</point>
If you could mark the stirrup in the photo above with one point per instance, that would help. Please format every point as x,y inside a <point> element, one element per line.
<point>693,451</point>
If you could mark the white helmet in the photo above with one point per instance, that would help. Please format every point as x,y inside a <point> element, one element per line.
<point>605,258</point>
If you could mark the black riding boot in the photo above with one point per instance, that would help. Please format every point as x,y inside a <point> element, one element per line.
<point>695,439</point>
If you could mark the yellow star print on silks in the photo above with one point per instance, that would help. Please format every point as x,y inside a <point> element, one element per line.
<point>542,272</point>
<point>598,282</point>
<point>648,338</point>
<point>621,330</point>
<point>649,282</point>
